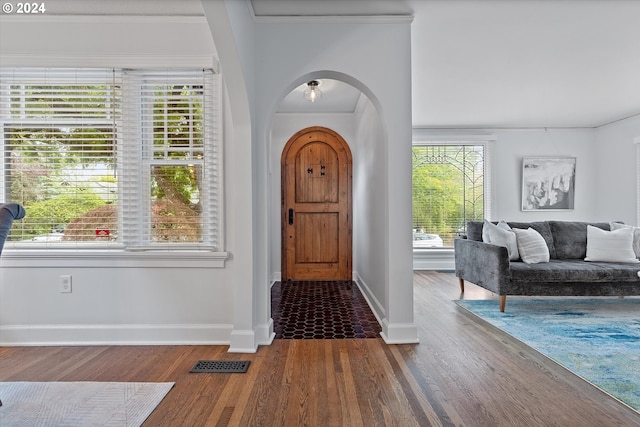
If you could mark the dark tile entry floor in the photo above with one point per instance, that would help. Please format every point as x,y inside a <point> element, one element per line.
<point>321,310</point>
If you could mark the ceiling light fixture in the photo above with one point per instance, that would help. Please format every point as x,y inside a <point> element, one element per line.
<point>312,93</point>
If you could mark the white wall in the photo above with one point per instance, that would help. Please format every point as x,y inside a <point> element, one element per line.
<point>289,54</point>
<point>114,305</point>
<point>512,145</point>
<point>120,41</point>
<point>232,28</point>
<point>616,182</point>
<point>606,176</point>
<point>125,299</point>
<point>186,301</point>
<point>370,214</point>
<point>605,170</point>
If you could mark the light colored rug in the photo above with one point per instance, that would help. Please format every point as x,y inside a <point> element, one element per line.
<point>79,403</point>
<point>595,338</point>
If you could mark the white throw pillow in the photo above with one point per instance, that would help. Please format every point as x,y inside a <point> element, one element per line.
<point>485,232</point>
<point>532,246</point>
<point>485,229</point>
<point>636,235</point>
<point>501,235</point>
<point>610,246</point>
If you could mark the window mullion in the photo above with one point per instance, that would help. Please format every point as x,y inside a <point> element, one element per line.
<point>131,179</point>
<point>213,160</point>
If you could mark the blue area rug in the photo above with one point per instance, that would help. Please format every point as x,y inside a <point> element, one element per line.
<point>597,339</point>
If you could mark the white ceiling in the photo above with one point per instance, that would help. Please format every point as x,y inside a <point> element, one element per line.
<point>476,63</point>
<point>337,97</point>
<point>508,63</point>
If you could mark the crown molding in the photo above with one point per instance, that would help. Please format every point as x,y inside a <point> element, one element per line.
<point>333,19</point>
<point>104,19</point>
<point>456,135</point>
<point>106,60</point>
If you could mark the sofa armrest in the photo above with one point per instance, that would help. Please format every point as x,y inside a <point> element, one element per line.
<point>8,212</point>
<point>484,264</point>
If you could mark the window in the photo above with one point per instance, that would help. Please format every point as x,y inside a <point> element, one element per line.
<point>112,158</point>
<point>450,187</point>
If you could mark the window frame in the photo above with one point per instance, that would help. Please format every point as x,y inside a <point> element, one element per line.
<point>141,158</point>
<point>5,150</point>
<point>429,137</point>
<point>154,255</point>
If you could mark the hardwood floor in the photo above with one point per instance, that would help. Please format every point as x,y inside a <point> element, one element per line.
<point>464,373</point>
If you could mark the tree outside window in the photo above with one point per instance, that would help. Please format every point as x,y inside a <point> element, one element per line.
<point>448,191</point>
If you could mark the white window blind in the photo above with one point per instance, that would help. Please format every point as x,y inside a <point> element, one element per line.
<point>126,158</point>
<point>59,149</point>
<point>172,114</point>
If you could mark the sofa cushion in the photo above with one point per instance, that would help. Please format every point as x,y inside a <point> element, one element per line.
<point>636,235</point>
<point>541,227</point>
<point>610,246</point>
<point>501,235</point>
<point>474,230</point>
<point>574,270</point>
<point>570,238</point>
<point>531,245</point>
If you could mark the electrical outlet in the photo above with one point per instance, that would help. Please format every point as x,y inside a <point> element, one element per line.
<point>65,284</point>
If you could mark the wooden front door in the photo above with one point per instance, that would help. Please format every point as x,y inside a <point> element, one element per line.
<point>316,206</point>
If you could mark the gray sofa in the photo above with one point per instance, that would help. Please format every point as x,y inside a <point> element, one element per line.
<point>566,273</point>
<point>8,212</point>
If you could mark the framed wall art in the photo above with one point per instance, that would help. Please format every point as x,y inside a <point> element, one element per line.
<point>548,183</point>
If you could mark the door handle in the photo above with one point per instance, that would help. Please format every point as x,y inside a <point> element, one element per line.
<point>290,216</point>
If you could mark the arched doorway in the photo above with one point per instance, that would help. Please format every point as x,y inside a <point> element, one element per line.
<point>316,211</point>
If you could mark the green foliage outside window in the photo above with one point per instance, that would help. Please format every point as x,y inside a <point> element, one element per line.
<point>61,155</point>
<point>178,120</point>
<point>448,189</point>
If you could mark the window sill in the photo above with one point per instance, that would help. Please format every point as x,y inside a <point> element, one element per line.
<point>113,259</point>
<point>432,251</point>
<point>433,259</point>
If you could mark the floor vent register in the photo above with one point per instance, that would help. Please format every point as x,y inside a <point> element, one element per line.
<point>221,366</point>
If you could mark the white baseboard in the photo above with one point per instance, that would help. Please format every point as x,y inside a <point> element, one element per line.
<point>392,333</point>
<point>398,333</point>
<point>74,335</point>
<point>243,341</point>
<point>265,333</point>
<point>374,303</point>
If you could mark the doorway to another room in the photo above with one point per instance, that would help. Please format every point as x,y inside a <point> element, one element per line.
<point>317,298</point>
<point>316,206</point>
